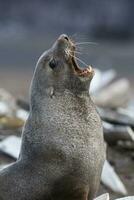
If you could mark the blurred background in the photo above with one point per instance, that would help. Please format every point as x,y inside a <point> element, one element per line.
<point>27,28</point>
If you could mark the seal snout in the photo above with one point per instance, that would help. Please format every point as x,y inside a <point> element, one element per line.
<point>67,49</point>
<point>70,51</point>
<point>63,37</point>
<point>87,72</point>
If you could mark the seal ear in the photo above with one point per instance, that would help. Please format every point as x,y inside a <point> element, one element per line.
<point>52,63</point>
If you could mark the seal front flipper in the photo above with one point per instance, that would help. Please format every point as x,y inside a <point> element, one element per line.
<point>18,181</point>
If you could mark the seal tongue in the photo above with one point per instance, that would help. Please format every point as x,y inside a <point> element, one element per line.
<point>81,72</point>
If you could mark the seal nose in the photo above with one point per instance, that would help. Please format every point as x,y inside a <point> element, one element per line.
<point>64,36</point>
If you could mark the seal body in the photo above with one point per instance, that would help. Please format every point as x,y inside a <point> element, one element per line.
<point>62,151</point>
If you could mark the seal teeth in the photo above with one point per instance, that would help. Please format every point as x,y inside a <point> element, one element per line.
<point>84,72</point>
<point>89,69</point>
<point>81,72</point>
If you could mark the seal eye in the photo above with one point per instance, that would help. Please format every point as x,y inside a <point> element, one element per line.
<point>52,63</point>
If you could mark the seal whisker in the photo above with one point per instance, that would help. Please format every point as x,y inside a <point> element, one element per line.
<point>76,52</point>
<point>78,59</point>
<point>79,52</point>
<point>81,43</point>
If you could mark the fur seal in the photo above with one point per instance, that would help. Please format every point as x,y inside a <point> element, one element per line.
<point>62,151</point>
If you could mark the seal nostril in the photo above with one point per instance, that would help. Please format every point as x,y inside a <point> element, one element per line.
<point>66,38</point>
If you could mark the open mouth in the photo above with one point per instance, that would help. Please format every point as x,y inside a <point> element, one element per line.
<point>86,72</point>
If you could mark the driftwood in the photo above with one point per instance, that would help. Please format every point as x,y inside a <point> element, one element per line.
<point>114,133</point>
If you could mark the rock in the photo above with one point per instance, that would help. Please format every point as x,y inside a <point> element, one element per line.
<point>11,146</point>
<point>110,179</point>
<point>106,197</point>
<point>103,197</point>
<point>10,122</point>
<point>23,104</point>
<point>114,133</point>
<point>126,145</point>
<point>101,79</point>
<point>115,95</point>
<point>22,114</point>
<point>7,103</point>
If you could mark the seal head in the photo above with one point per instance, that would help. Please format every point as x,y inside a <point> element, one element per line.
<point>60,69</point>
